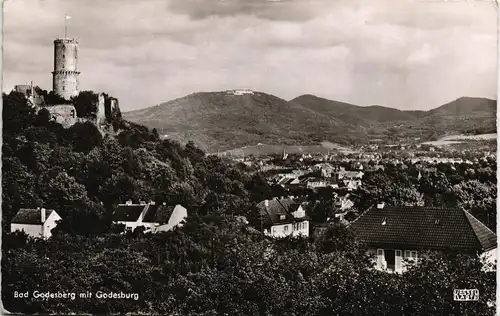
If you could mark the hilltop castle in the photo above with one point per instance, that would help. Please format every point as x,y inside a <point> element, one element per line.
<point>65,81</point>
<point>66,85</point>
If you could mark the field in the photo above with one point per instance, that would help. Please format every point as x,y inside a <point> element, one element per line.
<point>457,139</point>
<point>263,149</point>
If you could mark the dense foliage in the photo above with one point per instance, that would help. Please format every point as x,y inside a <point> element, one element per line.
<point>213,265</point>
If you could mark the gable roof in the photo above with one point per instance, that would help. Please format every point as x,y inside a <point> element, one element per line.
<point>128,213</point>
<point>271,215</point>
<point>158,214</point>
<point>486,237</point>
<point>423,228</point>
<point>30,216</point>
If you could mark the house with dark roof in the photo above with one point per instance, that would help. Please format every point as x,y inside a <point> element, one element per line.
<point>350,175</point>
<point>283,217</point>
<point>37,223</point>
<point>395,234</point>
<point>153,217</point>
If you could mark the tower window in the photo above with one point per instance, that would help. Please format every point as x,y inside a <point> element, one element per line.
<point>64,88</point>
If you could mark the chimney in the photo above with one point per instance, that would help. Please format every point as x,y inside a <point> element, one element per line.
<point>266,203</point>
<point>129,202</point>
<point>380,205</point>
<point>142,203</point>
<point>152,202</point>
<point>43,214</point>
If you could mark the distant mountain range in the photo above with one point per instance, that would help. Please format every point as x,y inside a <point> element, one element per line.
<point>223,120</point>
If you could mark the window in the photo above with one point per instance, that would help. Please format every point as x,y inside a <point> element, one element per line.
<point>64,88</point>
<point>274,230</point>
<point>411,255</point>
<point>285,229</point>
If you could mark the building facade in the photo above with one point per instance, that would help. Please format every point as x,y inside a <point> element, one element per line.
<point>283,217</point>
<point>153,217</point>
<point>399,234</point>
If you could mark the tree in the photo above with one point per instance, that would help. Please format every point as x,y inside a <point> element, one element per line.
<point>17,114</point>
<point>61,190</point>
<point>85,136</point>
<point>86,104</point>
<point>430,285</point>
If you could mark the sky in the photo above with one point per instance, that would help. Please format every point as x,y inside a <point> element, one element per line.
<point>405,54</point>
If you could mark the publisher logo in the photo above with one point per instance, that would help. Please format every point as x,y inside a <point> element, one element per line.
<point>466,295</point>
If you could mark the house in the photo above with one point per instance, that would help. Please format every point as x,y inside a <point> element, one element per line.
<point>37,223</point>
<point>350,175</point>
<point>315,183</point>
<point>352,184</point>
<point>344,203</point>
<point>284,181</point>
<point>283,217</point>
<point>153,217</point>
<point>397,233</point>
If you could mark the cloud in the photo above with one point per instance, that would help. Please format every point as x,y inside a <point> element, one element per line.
<point>287,10</point>
<point>412,55</point>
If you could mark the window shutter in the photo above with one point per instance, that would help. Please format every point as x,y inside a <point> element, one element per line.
<point>398,261</point>
<point>380,258</point>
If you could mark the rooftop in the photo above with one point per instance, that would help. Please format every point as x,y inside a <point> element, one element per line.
<point>158,214</point>
<point>30,216</point>
<point>423,228</point>
<point>279,211</point>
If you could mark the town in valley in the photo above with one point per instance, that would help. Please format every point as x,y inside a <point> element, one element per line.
<point>239,201</point>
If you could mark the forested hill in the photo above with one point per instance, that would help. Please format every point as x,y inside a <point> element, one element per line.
<point>221,120</point>
<point>214,264</point>
<point>78,171</point>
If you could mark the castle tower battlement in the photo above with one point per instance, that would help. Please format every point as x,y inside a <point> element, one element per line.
<point>65,77</point>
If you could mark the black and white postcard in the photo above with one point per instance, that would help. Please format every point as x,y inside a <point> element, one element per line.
<point>249,157</point>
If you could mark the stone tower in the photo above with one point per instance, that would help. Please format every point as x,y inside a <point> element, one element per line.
<point>65,80</point>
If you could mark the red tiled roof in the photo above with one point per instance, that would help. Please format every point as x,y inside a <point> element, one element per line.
<point>423,228</point>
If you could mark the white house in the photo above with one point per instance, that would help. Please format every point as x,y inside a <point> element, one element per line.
<point>352,184</point>
<point>350,175</point>
<point>37,223</point>
<point>153,217</point>
<point>283,217</point>
<point>313,184</point>
<point>344,203</point>
<point>178,215</point>
<point>393,234</point>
